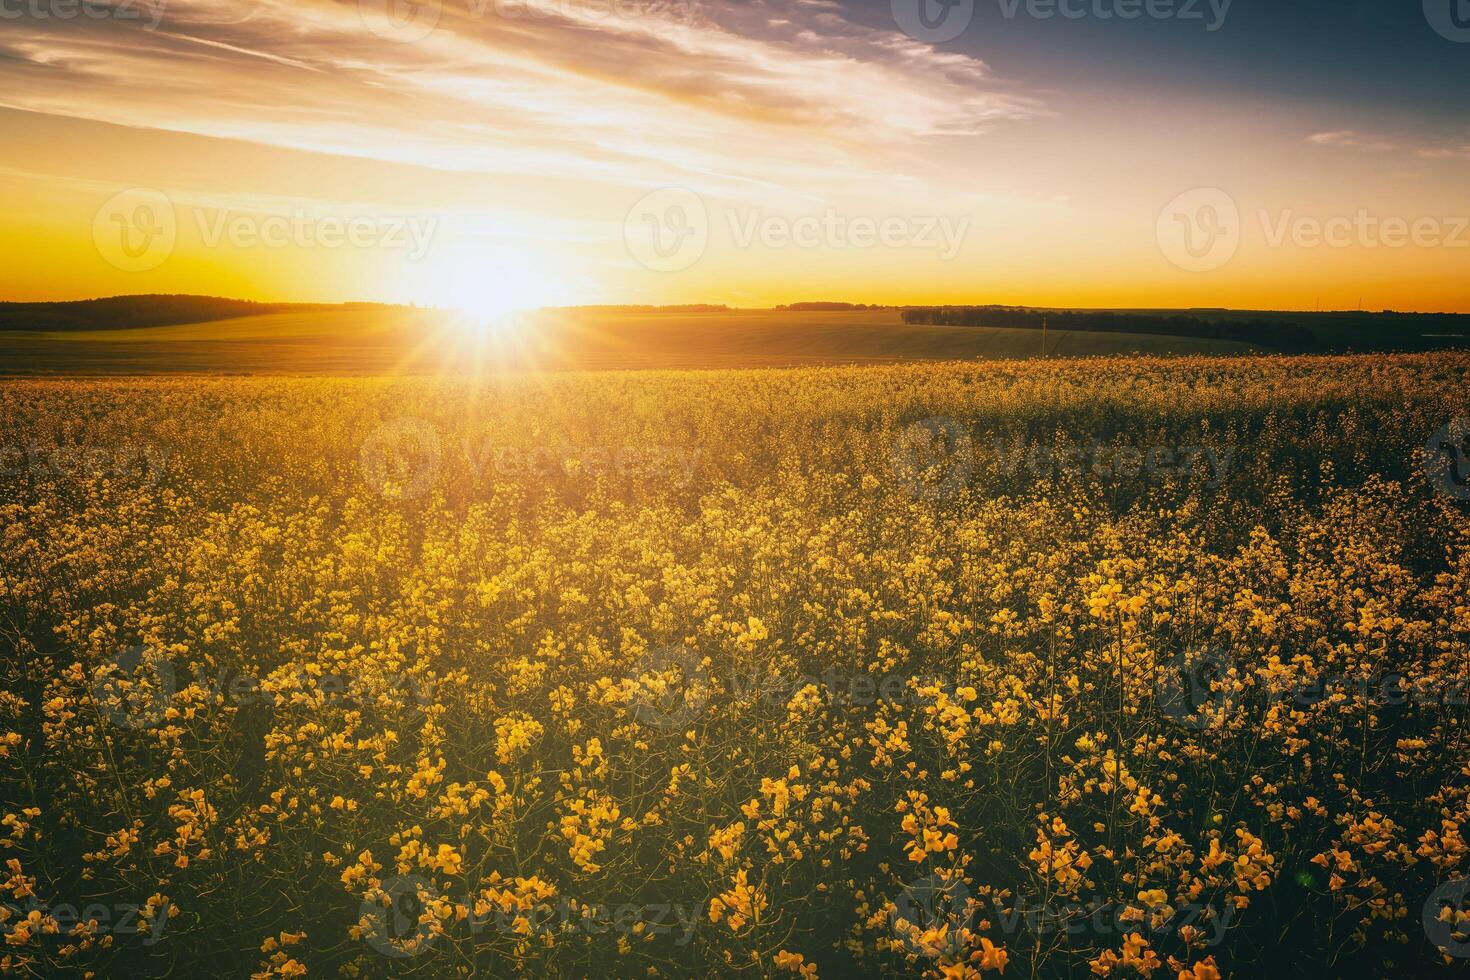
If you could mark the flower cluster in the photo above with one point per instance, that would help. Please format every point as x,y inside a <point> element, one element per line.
<point>472,703</point>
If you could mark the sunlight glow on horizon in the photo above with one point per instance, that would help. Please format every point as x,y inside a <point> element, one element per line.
<point>490,287</point>
<point>529,142</point>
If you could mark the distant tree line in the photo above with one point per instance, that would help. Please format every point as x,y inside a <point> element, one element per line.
<point>823,307</point>
<point>640,308</point>
<point>157,310</point>
<point>1278,334</point>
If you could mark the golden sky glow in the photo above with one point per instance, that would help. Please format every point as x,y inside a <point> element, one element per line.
<point>500,159</point>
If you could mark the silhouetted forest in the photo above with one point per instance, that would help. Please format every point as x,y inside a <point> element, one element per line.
<point>154,310</point>
<point>1276,334</point>
<point>1286,332</point>
<point>828,307</point>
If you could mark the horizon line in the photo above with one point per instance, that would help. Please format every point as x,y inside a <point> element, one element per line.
<point>715,307</point>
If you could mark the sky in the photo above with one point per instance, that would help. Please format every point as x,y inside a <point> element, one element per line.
<point>1264,154</point>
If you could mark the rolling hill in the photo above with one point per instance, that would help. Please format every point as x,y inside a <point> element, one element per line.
<point>377,340</point>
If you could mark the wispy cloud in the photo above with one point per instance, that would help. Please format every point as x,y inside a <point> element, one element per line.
<point>1367,143</point>
<point>584,90</point>
<point>1444,152</point>
<point>1353,140</point>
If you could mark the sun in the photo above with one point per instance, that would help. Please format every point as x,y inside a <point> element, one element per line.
<point>490,318</point>
<point>491,291</point>
<point>496,299</point>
